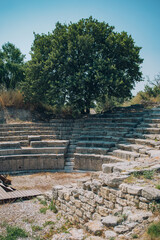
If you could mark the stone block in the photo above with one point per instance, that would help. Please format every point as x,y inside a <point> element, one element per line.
<point>110,221</point>
<point>95,227</point>
<point>151,193</point>
<point>110,235</point>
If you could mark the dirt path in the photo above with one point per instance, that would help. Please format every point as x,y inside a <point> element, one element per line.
<point>45,181</point>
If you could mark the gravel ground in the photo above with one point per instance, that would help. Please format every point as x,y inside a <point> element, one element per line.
<point>35,215</point>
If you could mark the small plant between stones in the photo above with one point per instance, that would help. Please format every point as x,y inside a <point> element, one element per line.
<point>51,206</point>
<point>154,230</point>
<point>14,233</point>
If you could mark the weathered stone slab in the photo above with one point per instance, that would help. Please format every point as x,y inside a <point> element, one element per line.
<point>151,193</point>
<point>110,221</point>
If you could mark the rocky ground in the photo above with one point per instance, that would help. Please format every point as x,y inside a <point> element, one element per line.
<point>37,216</point>
<point>40,220</point>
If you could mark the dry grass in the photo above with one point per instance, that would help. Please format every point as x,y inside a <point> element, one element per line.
<point>142,98</point>
<point>11,98</point>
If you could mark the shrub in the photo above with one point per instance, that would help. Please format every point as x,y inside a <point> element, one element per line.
<point>52,207</point>
<point>43,210</point>
<point>13,233</point>
<point>154,230</point>
<point>11,98</point>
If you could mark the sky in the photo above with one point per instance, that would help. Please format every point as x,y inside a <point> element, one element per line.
<point>139,18</point>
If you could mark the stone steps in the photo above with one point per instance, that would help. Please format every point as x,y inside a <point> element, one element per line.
<point>92,162</point>
<point>101,144</point>
<point>148,130</point>
<point>133,148</point>
<point>29,150</point>
<point>51,143</point>
<point>147,142</point>
<point>92,150</point>
<point>27,162</point>
<point>126,155</point>
<point>9,145</point>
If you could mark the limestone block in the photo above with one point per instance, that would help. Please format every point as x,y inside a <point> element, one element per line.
<point>120,194</point>
<point>88,215</point>
<point>94,238</point>
<point>103,211</point>
<point>96,216</point>
<point>67,196</point>
<point>104,192</point>
<point>142,199</point>
<point>98,199</point>
<point>151,193</point>
<point>83,199</point>
<point>113,180</point>
<point>110,221</point>
<point>122,202</point>
<point>139,216</point>
<point>92,202</point>
<point>112,198</point>
<point>111,205</point>
<point>79,213</point>
<point>129,197</point>
<point>72,199</point>
<point>124,187</point>
<point>107,168</point>
<point>73,208</point>
<point>89,195</point>
<point>78,203</point>
<point>55,191</point>
<point>77,234</point>
<point>133,189</point>
<point>109,235</point>
<point>95,227</point>
<point>143,206</point>
<point>121,229</point>
<point>106,203</point>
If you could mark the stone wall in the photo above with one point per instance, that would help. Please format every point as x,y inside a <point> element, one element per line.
<point>103,194</point>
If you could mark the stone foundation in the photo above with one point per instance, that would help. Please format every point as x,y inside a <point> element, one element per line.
<point>102,195</point>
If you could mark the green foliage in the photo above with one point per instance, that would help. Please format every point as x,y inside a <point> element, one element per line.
<point>48,223</point>
<point>147,174</point>
<point>158,186</point>
<point>11,66</point>
<point>52,207</point>
<point>43,202</point>
<point>43,210</point>
<point>150,96</point>
<point>80,63</point>
<point>154,230</point>
<point>36,228</point>
<point>108,104</point>
<point>154,206</point>
<point>134,236</point>
<point>13,233</point>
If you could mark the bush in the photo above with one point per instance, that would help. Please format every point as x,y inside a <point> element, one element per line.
<point>154,230</point>
<point>11,98</point>
<point>14,233</point>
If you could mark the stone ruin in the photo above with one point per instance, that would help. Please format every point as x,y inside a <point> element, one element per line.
<point>114,145</point>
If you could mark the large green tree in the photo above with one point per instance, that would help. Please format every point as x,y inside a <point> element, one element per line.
<point>11,66</point>
<point>82,62</point>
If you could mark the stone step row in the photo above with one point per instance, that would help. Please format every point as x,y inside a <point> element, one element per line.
<point>29,150</point>
<point>31,162</point>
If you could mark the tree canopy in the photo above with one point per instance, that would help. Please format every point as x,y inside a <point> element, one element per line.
<point>11,66</point>
<point>80,63</point>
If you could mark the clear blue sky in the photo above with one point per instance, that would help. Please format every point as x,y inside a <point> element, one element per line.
<point>140,18</point>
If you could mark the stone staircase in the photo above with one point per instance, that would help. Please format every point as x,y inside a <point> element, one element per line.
<point>120,137</point>
<point>34,146</point>
<point>81,144</point>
